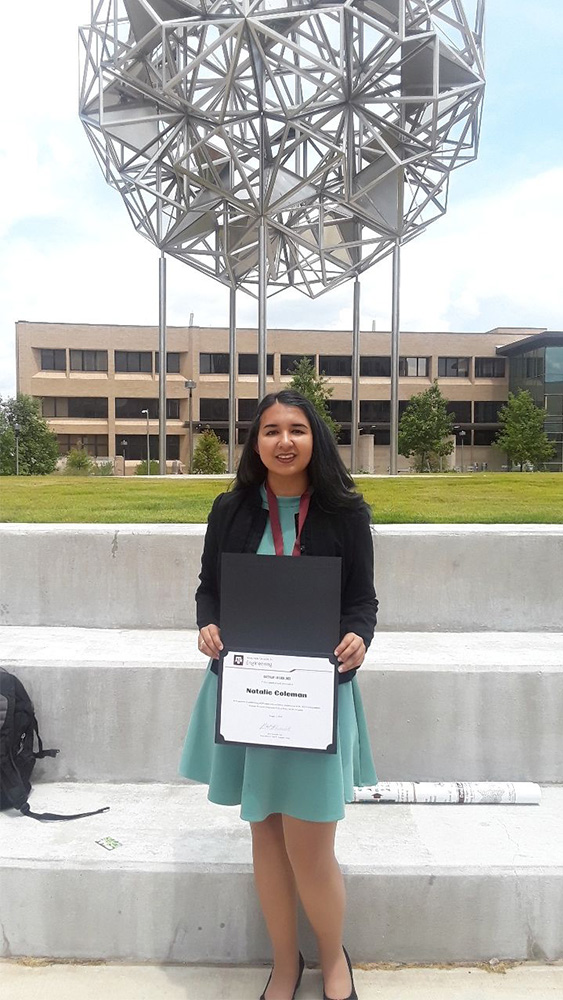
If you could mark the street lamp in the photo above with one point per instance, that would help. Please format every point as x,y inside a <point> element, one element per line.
<point>190,385</point>
<point>124,445</point>
<point>461,435</point>
<point>148,444</point>
<point>17,433</point>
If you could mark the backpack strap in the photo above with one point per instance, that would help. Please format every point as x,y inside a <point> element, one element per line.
<point>42,753</point>
<point>55,816</point>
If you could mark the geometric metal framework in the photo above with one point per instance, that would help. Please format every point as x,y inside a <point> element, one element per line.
<point>334,125</point>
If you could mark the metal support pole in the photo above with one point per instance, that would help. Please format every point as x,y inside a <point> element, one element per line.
<point>162,365</point>
<point>262,292</point>
<point>232,374</point>
<point>262,274</point>
<point>393,448</point>
<point>190,433</point>
<point>355,418</point>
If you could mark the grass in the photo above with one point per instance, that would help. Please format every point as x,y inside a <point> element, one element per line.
<point>482,498</point>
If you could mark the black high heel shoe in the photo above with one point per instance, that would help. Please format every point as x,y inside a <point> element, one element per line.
<point>298,983</point>
<point>353,995</point>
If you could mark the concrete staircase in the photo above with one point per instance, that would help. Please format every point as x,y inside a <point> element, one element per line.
<point>426,883</point>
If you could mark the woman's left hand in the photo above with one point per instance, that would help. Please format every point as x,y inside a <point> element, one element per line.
<point>350,651</point>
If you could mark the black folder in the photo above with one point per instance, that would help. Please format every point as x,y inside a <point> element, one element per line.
<point>280,604</point>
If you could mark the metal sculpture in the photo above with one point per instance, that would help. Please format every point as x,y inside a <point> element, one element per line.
<point>282,144</point>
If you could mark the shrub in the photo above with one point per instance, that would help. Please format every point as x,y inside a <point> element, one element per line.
<point>141,469</point>
<point>103,469</point>
<point>78,463</point>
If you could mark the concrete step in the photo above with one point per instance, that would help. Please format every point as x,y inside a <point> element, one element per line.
<point>425,883</point>
<point>440,706</point>
<point>505,577</point>
<point>528,981</point>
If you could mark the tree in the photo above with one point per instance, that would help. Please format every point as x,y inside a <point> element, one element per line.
<point>78,463</point>
<point>316,389</point>
<point>208,457</point>
<point>38,448</point>
<point>425,429</point>
<point>522,435</point>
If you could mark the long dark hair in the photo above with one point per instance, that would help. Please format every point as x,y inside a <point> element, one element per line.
<point>332,483</point>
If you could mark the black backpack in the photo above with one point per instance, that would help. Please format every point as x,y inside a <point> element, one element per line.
<point>18,727</point>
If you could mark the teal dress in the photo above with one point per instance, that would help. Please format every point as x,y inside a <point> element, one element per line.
<point>264,780</point>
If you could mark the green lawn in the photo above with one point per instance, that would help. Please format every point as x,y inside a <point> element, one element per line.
<point>482,498</point>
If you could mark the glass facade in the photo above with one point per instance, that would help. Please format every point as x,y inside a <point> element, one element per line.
<point>540,372</point>
<point>554,402</point>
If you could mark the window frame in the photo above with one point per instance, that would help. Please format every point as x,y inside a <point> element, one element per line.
<point>57,352</point>
<point>133,371</point>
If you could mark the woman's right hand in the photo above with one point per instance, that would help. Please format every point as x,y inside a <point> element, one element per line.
<point>209,641</point>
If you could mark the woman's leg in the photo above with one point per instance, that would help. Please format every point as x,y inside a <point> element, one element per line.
<point>275,884</point>
<point>310,848</point>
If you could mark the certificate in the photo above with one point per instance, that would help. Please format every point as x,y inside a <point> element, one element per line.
<point>286,700</point>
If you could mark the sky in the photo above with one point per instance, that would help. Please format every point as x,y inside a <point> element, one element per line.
<point>69,253</point>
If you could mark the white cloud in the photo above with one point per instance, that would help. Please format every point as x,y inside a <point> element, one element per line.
<point>69,251</point>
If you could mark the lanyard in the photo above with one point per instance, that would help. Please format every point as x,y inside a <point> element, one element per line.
<point>275,521</point>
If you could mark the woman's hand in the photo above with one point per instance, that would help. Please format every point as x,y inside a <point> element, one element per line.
<point>209,641</point>
<point>351,652</point>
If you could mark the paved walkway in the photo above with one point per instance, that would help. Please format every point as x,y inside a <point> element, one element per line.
<point>137,982</point>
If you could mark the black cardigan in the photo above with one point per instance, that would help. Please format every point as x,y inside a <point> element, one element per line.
<point>236,523</point>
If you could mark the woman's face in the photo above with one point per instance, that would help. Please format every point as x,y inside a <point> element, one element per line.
<point>285,440</point>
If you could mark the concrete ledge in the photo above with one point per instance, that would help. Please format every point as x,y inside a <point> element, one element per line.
<point>440,706</point>
<point>426,883</point>
<point>194,982</point>
<point>428,577</point>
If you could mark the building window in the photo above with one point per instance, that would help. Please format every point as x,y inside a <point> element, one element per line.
<point>172,362</point>
<point>136,447</point>
<point>375,411</point>
<point>248,364</point>
<point>533,366</point>
<point>247,409</point>
<point>214,364</point>
<point>88,361</point>
<point>375,367</point>
<point>453,367</point>
<point>49,407</point>
<point>345,436</point>
<point>461,411</point>
<point>242,435</point>
<point>95,445</point>
<point>382,437</point>
<point>489,367</point>
<point>413,367</point>
<point>487,412</point>
<point>484,437</point>
<point>53,360</point>
<point>289,361</point>
<point>335,364</point>
<point>130,409</point>
<point>340,410</point>
<point>554,366</point>
<point>87,407</point>
<point>214,409</point>
<point>133,361</point>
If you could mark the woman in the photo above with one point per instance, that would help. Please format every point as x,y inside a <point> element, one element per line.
<point>292,799</point>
